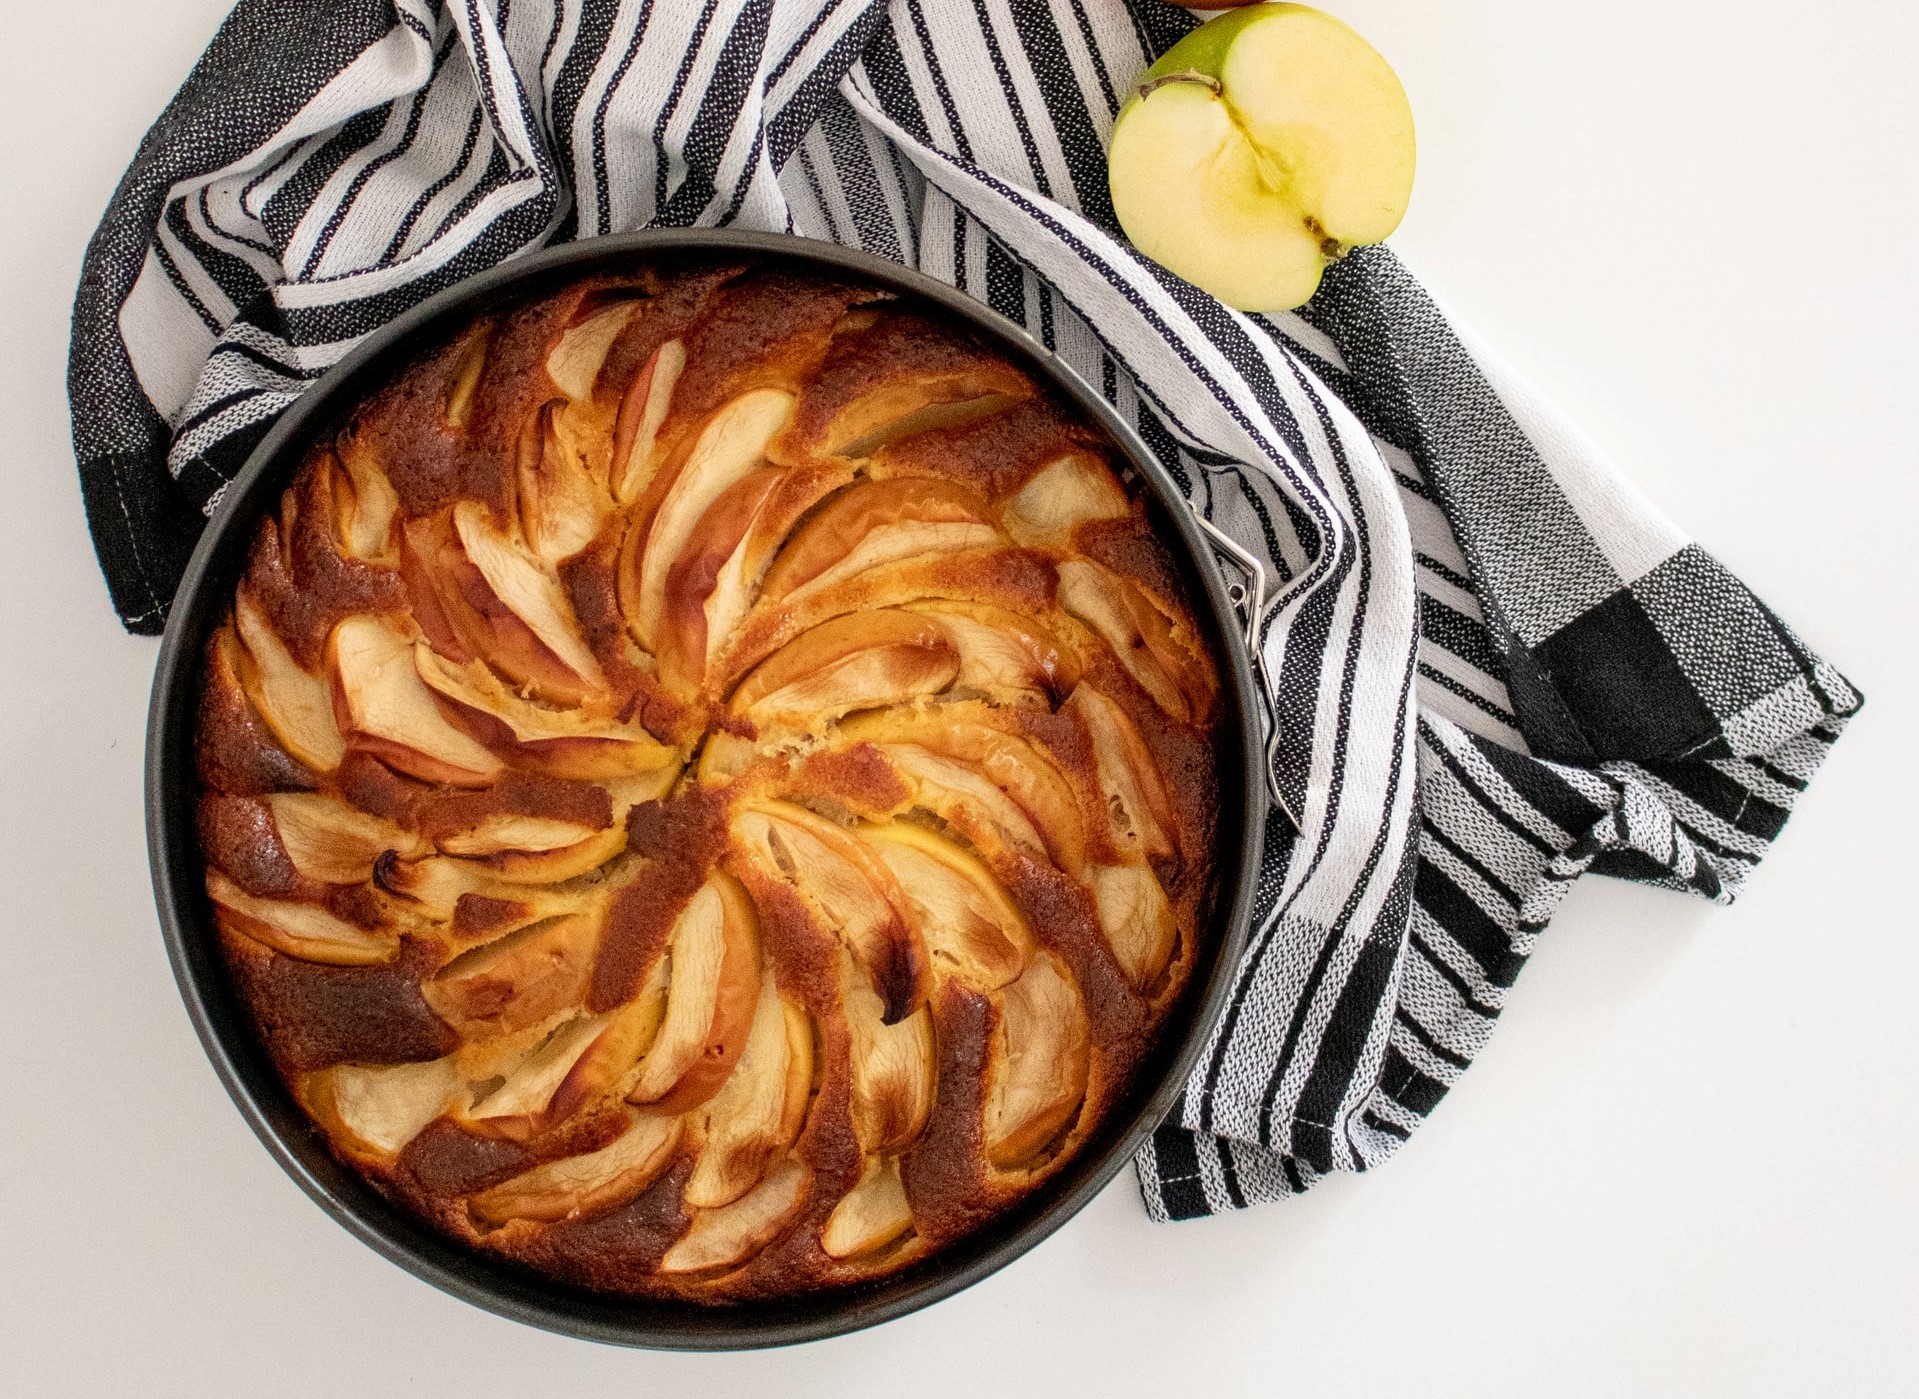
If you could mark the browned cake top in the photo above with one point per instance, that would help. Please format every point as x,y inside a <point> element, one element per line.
<point>707,784</point>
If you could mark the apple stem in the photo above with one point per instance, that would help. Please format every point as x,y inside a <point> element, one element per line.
<point>1189,76</point>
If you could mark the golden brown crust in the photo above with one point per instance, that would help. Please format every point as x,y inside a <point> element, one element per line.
<point>757,717</point>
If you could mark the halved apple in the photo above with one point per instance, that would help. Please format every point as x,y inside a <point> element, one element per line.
<point>972,930</point>
<point>711,585</point>
<point>334,841</point>
<point>576,1185</point>
<point>1039,1059</point>
<point>517,1108</point>
<point>1259,148</point>
<point>1003,656</point>
<point>381,704</point>
<point>555,742</point>
<point>1136,918</point>
<point>893,1066</point>
<point>712,989</point>
<point>303,931</point>
<point>574,362</point>
<point>1061,496</point>
<point>732,443</point>
<point>374,1110</point>
<point>760,1111</point>
<point>870,1215</point>
<point>733,1233</point>
<point>879,522</point>
<point>859,661</point>
<point>1135,793</point>
<point>295,704</point>
<point>850,889</point>
<point>643,410</point>
<point>517,980</point>
<point>1143,639</point>
<point>533,596</point>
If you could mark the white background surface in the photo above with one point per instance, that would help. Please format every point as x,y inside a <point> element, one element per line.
<point>1688,1162</point>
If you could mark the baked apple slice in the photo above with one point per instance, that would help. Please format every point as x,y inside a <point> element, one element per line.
<point>1060,497</point>
<point>972,930</point>
<point>859,661</point>
<point>730,1235</point>
<point>374,1110</point>
<point>1008,763</point>
<point>517,980</point>
<point>759,1113</point>
<point>1145,641</point>
<point>879,522</point>
<point>850,890</point>
<point>554,742</point>
<point>608,1062</point>
<point>577,356</point>
<point>643,411</point>
<point>893,1066</point>
<point>334,841</point>
<point>712,990</point>
<point>517,1108</point>
<point>1039,1059</point>
<point>365,505</point>
<point>959,793</point>
<point>1003,657</point>
<point>1136,918</point>
<point>296,706</point>
<point>870,1215</point>
<point>516,583</point>
<point>562,502</point>
<point>732,444</point>
<point>305,932</point>
<point>382,706</point>
<point>577,1185</point>
<point>711,586</point>
<point>505,831</point>
<point>518,865</point>
<point>1135,793</point>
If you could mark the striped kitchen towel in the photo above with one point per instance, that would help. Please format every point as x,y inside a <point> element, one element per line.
<point>1497,666</point>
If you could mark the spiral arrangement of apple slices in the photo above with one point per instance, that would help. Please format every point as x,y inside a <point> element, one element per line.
<point>706,783</point>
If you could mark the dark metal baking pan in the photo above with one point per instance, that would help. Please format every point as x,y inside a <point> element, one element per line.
<point>249,1076</point>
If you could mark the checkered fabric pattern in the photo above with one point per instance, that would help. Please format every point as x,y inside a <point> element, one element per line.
<point>1497,666</point>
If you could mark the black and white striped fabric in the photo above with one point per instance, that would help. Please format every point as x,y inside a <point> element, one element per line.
<point>1498,667</point>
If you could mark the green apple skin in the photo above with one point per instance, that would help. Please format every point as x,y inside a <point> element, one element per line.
<point>1261,147</point>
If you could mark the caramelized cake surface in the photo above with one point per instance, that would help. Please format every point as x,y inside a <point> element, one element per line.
<point>707,782</point>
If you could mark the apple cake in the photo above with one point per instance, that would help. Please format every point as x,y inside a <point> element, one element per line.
<point>707,782</point>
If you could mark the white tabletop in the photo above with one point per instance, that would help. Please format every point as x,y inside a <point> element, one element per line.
<point>1687,1163</point>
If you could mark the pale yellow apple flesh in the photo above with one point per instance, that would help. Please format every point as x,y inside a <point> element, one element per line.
<point>517,980</point>
<point>379,1108</point>
<point>1261,147</point>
